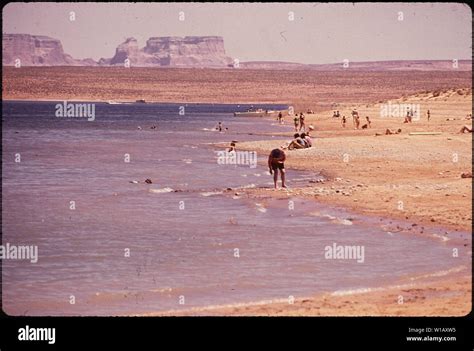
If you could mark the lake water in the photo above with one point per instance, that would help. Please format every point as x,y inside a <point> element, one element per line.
<point>180,242</point>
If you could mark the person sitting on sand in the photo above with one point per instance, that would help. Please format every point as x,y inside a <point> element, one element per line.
<point>307,139</point>
<point>343,121</point>
<point>465,129</point>
<point>389,132</point>
<point>334,115</point>
<point>310,129</point>
<point>338,114</point>
<point>295,120</point>
<point>276,161</point>
<point>231,148</point>
<point>297,143</point>
<point>302,124</point>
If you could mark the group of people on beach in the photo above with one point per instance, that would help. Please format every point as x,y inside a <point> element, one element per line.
<point>300,141</point>
<point>355,120</point>
<point>299,122</point>
<point>302,138</point>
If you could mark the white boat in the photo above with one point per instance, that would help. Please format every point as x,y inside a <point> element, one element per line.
<point>257,113</point>
<point>110,102</point>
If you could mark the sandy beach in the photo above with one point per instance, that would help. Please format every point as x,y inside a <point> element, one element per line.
<point>371,174</point>
<point>425,297</point>
<point>418,170</point>
<point>422,171</point>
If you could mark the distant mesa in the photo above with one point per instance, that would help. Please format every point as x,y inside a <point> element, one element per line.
<point>394,65</point>
<point>192,51</point>
<point>37,50</point>
<point>205,51</point>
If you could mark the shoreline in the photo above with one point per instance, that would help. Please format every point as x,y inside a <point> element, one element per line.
<point>431,296</point>
<point>452,289</point>
<point>458,287</point>
<point>148,102</point>
<point>377,177</point>
<point>305,89</point>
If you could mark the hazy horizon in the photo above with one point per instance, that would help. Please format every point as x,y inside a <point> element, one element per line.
<point>319,34</point>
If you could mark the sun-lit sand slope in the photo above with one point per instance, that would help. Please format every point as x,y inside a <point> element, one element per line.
<point>304,89</point>
<point>375,174</point>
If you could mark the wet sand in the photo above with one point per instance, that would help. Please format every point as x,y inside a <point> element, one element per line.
<point>425,297</point>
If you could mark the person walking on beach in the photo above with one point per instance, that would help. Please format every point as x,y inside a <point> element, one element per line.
<point>276,161</point>
<point>354,114</point>
<point>409,116</point>
<point>343,121</point>
<point>280,118</point>
<point>357,121</point>
<point>369,123</point>
<point>302,124</point>
<point>295,120</point>
<point>428,115</point>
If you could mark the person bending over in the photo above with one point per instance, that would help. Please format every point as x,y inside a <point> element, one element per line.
<point>276,161</point>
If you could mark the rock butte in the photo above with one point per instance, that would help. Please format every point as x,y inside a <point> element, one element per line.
<point>38,50</point>
<point>191,51</point>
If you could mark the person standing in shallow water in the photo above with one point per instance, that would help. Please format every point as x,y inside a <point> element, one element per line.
<point>280,118</point>
<point>276,161</point>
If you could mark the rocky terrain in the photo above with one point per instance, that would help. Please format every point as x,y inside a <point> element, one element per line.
<point>172,52</point>
<point>395,65</point>
<point>192,51</point>
<point>37,50</point>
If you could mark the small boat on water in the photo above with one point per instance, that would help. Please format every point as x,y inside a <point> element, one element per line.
<point>257,113</point>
